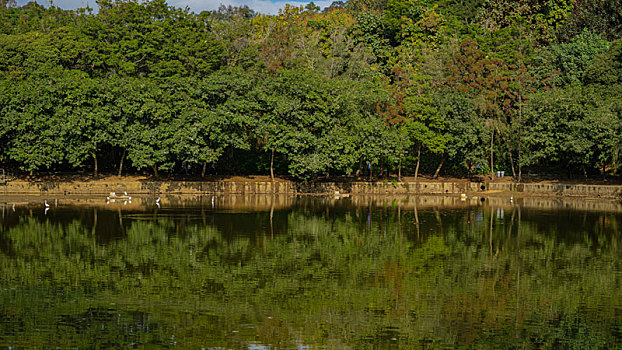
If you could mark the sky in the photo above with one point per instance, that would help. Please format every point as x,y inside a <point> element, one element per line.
<point>263,6</point>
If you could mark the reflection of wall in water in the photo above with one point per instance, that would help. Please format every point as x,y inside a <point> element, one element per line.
<point>259,202</point>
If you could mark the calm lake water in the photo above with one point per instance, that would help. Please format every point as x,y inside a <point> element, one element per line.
<point>263,272</point>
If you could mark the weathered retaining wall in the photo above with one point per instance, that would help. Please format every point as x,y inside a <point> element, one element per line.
<point>559,189</point>
<point>385,187</point>
<point>373,188</point>
<point>145,187</point>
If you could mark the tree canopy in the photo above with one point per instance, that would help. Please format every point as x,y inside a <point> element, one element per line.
<point>359,88</point>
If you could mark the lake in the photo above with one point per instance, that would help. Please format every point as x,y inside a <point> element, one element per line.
<point>287,272</point>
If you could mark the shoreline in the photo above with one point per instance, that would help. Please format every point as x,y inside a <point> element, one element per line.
<point>148,186</point>
<point>262,203</point>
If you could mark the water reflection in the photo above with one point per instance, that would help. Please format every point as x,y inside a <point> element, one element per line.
<point>284,272</point>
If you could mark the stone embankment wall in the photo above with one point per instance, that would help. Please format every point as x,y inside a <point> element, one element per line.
<point>373,188</point>
<point>560,189</point>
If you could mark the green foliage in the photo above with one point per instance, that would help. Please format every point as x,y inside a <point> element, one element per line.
<point>606,68</point>
<point>399,11</point>
<point>34,17</point>
<point>370,31</point>
<point>25,54</point>
<point>131,38</point>
<point>543,17</point>
<point>573,126</point>
<point>573,58</point>
<point>461,10</point>
<point>468,137</point>
<point>363,82</point>
<point>603,17</point>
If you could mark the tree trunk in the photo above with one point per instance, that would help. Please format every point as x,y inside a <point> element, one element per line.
<point>120,219</point>
<point>358,171</point>
<point>399,171</point>
<point>490,230</point>
<point>512,164</point>
<point>204,169</point>
<point>93,230</point>
<point>520,168</point>
<point>272,166</point>
<point>417,219</point>
<point>94,164</point>
<point>520,128</point>
<point>155,170</point>
<point>121,163</point>
<point>438,170</point>
<point>604,172</point>
<point>492,165</point>
<point>381,167</point>
<point>418,161</point>
<point>271,215</point>
<point>507,142</point>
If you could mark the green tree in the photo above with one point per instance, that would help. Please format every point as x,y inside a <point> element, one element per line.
<point>572,59</point>
<point>467,132</point>
<point>132,38</point>
<point>294,119</point>
<point>82,111</point>
<point>35,137</point>
<point>606,68</point>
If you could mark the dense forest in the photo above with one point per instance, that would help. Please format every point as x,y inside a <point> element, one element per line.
<point>361,88</point>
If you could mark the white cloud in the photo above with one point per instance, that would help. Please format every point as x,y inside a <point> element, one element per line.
<point>263,6</point>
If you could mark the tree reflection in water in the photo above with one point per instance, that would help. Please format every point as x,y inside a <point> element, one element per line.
<point>354,273</point>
